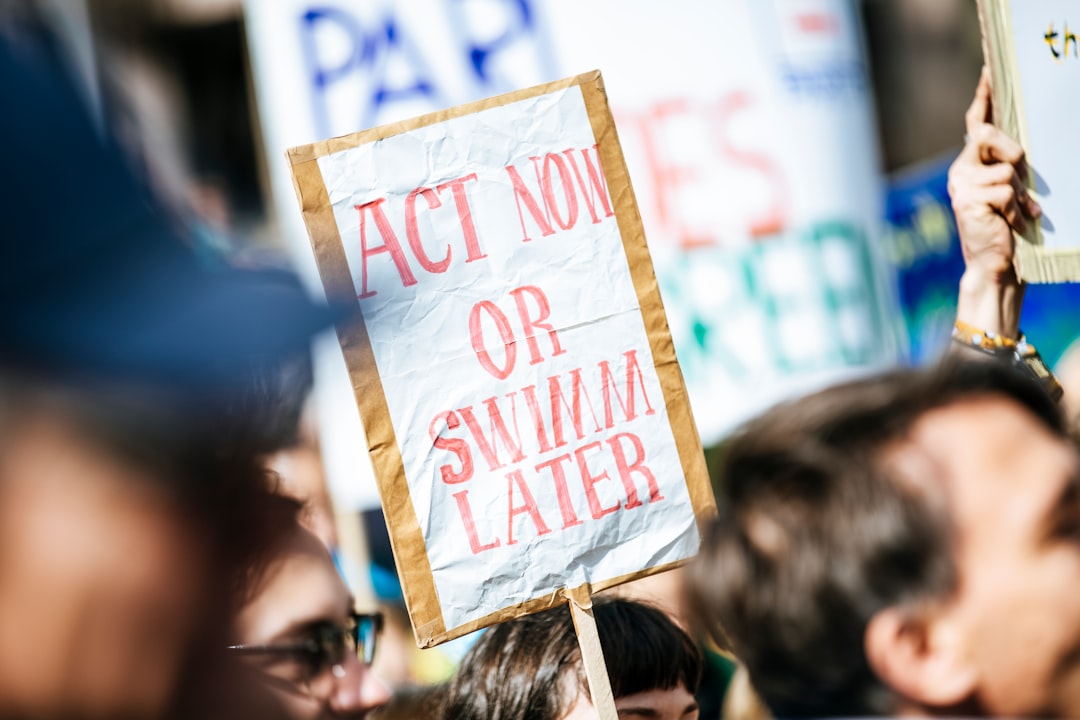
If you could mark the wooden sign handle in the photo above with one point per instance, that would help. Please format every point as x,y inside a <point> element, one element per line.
<point>591,653</point>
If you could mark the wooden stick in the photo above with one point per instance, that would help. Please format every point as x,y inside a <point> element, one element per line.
<point>592,655</point>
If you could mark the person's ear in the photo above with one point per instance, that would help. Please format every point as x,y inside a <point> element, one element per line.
<point>921,657</point>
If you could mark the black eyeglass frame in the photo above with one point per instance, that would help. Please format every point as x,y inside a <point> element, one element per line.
<point>365,629</point>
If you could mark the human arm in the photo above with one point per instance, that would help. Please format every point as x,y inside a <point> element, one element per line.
<point>990,200</point>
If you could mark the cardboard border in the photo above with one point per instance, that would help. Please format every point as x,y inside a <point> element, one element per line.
<point>1034,262</point>
<point>406,536</point>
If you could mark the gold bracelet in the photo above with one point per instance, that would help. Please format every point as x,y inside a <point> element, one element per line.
<point>984,339</point>
<point>1020,352</point>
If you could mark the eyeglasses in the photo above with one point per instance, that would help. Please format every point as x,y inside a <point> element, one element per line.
<point>319,655</point>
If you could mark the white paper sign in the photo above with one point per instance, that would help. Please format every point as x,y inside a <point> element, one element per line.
<point>509,337</point>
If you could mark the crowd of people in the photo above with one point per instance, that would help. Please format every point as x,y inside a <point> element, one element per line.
<point>906,543</point>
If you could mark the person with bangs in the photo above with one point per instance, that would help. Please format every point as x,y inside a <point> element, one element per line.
<point>531,668</point>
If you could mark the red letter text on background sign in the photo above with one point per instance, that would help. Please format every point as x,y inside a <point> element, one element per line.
<point>775,218</point>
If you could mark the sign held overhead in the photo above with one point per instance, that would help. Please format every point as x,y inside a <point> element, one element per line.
<point>511,360</point>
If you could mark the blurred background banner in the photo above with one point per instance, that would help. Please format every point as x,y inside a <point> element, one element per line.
<point>748,129</point>
<point>923,247</point>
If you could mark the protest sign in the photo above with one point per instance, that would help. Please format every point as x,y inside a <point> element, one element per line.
<point>748,130</point>
<point>1033,52</point>
<point>511,360</point>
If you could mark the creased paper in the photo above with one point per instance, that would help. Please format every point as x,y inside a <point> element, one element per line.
<point>524,410</point>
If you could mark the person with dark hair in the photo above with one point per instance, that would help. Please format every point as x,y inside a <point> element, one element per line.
<point>902,543</point>
<point>296,627</point>
<point>908,543</point>
<point>118,525</point>
<point>531,669</point>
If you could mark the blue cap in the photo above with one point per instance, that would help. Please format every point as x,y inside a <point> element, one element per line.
<point>97,279</point>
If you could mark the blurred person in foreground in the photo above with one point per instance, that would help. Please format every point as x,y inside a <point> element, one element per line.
<point>296,625</point>
<point>414,702</point>
<point>128,482</point>
<point>909,544</point>
<point>277,398</point>
<point>531,669</point>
